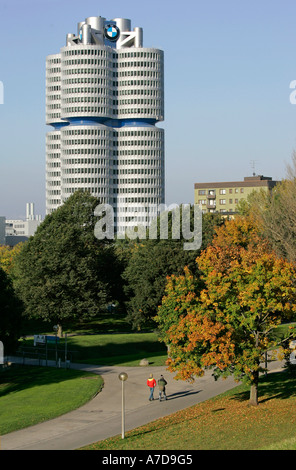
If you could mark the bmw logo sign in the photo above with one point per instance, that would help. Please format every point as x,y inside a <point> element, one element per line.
<point>112,32</point>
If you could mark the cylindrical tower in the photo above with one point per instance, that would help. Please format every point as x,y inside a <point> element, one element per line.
<point>86,82</point>
<point>87,160</point>
<point>140,173</point>
<point>53,170</point>
<point>140,84</point>
<point>104,98</point>
<point>53,89</point>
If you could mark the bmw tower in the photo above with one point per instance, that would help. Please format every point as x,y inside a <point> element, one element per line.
<point>104,98</point>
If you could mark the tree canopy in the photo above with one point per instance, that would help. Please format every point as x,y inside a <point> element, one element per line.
<point>63,271</point>
<point>228,325</point>
<point>275,213</point>
<point>151,261</point>
<point>10,314</point>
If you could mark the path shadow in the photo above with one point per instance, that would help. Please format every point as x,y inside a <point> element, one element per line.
<point>185,393</point>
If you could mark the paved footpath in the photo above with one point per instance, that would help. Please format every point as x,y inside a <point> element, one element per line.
<point>101,417</point>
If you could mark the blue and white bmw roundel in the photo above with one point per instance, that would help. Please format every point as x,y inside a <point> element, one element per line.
<point>112,32</point>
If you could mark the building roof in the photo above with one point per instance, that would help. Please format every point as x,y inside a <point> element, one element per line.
<point>249,182</point>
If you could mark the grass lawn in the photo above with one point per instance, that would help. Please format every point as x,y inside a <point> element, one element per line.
<point>226,422</point>
<point>125,349</point>
<point>30,395</point>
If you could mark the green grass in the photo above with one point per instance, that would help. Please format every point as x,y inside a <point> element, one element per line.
<point>126,349</point>
<point>30,395</point>
<point>226,422</point>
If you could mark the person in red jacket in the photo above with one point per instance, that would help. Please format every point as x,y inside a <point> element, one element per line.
<point>151,382</point>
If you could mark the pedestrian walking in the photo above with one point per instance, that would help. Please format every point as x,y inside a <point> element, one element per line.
<point>161,385</point>
<point>151,382</point>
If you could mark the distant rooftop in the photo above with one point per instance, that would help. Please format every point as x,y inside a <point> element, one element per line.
<point>249,181</point>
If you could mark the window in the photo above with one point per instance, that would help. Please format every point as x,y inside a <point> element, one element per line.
<point>202,192</point>
<point>242,190</point>
<point>222,191</point>
<point>222,201</point>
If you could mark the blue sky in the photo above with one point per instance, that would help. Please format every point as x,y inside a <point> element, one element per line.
<point>228,68</point>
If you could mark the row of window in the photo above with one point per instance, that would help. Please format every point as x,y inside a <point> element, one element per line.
<point>90,71</point>
<point>156,133</point>
<point>155,156</point>
<point>140,73</point>
<point>54,60</point>
<point>85,161</point>
<point>152,153</point>
<point>86,80</point>
<point>145,64</point>
<point>85,181</point>
<point>155,182</point>
<point>213,203</point>
<point>103,111</point>
<point>154,161</point>
<point>149,55</point>
<point>70,171</point>
<point>54,192</point>
<point>100,189</point>
<point>139,171</point>
<point>155,191</point>
<point>88,99</point>
<point>104,81</point>
<point>212,192</point>
<point>149,83</point>
<point>139,143</point>
<point>52,70</point>
<point>104,52</point>
<point>85,131</point>
<point>106,101</point>
<point>93,51</point>
<point>104,161</point>
<point>67,142</point>
<point>86,61</point>
<point>85,151</point>
<point>104,63</point>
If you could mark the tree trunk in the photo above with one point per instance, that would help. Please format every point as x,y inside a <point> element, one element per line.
<point>253,401</point>
<point>60,331</point>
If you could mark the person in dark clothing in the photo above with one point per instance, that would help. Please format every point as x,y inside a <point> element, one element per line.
<point>161,385</point>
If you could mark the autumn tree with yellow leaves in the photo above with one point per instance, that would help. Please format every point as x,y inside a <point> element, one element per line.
<point>227,323</point>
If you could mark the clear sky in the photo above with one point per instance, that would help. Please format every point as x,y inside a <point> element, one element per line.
<point>228,69</point>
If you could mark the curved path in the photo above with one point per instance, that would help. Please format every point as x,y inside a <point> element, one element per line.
<point>101,417</point>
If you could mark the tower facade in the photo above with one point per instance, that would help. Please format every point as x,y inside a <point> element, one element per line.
<point>104,98</point>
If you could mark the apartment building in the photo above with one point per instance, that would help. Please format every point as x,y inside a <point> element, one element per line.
<point>224,197</point>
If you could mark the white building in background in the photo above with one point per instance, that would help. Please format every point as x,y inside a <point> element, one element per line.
<point>104,98</point>
<point>23,228</point>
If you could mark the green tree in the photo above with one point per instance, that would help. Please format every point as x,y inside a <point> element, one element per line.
<point>149,264</point>
<point>7,256</point>
<point>229,325</point>
<point>63,271</point>
<point>10,314</point>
